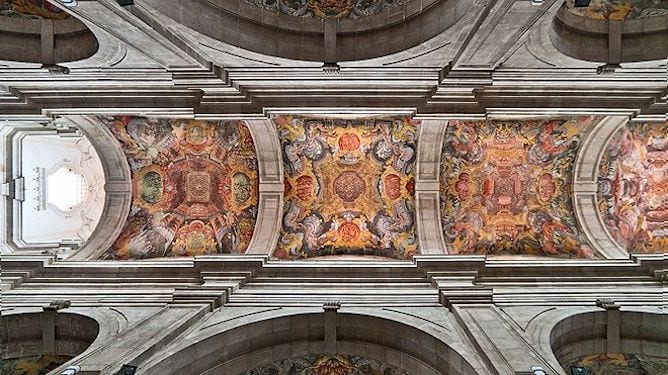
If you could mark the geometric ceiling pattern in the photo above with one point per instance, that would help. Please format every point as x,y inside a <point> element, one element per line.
<point>633,187</point>
<point>194,187</point>
<point>31,9</point>
<point>326,364</point>
<point>349,187</point>
<point>506,187</point>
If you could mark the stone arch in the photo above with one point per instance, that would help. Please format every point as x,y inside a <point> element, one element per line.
<point>53,337</point>
<point>584,187</point>
<point>118,187</point>
<point>611,331</point>
<point>255,341</point>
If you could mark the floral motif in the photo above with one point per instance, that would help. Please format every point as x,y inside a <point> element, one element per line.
<point>506,187</point>
<point>349,187</point>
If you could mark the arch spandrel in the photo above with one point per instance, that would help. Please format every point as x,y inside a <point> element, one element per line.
<point>237,344</point>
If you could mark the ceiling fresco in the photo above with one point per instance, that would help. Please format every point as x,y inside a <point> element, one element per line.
<point>633,187</point>
<point>349,187</point>
<point>32,365</point>
<point>506,187</point>
<point>327,8</point>
<point>620,10</point>
<point>195,187</point>
<point>621,364</point>
<point>31,9</point>
<point>327,365</point>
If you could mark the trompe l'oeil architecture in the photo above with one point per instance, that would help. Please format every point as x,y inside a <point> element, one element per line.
<point>334,187</point>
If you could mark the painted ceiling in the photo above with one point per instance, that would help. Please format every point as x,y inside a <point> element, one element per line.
<point>620,10</point>
<point>349,187</point>
<point>327,8</point>
<point>195,187</point>
<point>506,187</point>
<point>621,364</point>
<point>32,365</point>
<point>633,187</point>
<point>327,365</point>
<point>31,9</point>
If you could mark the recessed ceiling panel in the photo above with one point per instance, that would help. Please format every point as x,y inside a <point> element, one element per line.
<point>349,187</point>
<point>195,187</point>
<point>506,187</point>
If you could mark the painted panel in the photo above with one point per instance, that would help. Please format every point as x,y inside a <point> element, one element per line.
<point>506,187</point>
<point>633,187</point>
<point>620,10</point>
<point>195,187</point>
<point>620,364</point>
<point>33,365</point>
<point>349,187</point>
<point>327,365</point>
<point>31,9</point>
<point>328,8</point>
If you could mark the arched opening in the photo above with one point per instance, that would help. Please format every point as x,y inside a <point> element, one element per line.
<point>36,343</point>
<point>362,342</point>
<point>612,342</point>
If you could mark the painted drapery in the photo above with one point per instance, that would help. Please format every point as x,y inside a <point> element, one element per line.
<point>349,187</point>
<point>506,187</point>
<point>633,187</point>
<point>327,365</point>
<point>195,187</point>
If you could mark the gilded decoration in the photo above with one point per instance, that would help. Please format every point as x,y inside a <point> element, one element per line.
<point>327,365</point>
<point>506,187</point>
<point>617,10</point>
<point>327,8</point>
<point>621,364</point>
<point>31,9</point>
<point>349,187</point>
<point>195,187</point>
<point>633,187</point>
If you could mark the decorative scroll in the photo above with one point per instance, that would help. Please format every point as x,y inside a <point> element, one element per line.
<point>506,187</point>
<point>349,187</point>
<point>195,187</point>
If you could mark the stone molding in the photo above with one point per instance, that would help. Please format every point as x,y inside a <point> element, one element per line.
<point>585,187</point>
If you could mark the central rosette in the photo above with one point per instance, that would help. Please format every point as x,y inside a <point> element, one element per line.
<point>349,186</point>
<point>198,187</point>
